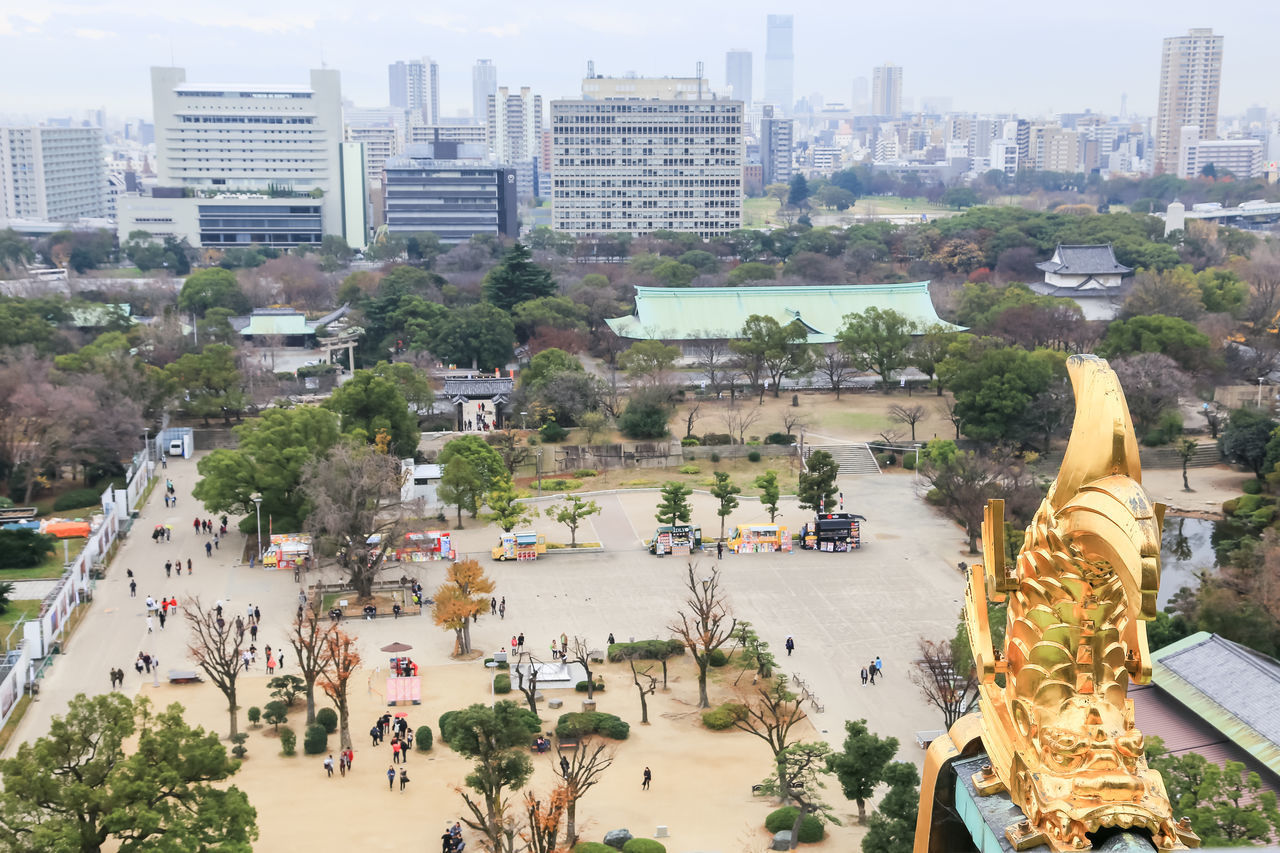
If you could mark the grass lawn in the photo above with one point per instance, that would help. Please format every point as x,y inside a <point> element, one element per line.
<point>742,471</point>
<point>17,611</point>
<point>16,717</point>
<point>53,566</point>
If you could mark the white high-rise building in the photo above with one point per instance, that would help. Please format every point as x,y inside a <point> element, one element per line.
<point>484,82</point>
<point>52,174</point>
<point>515,133</point>
<point>886,90</point>
<point>239,164</point>
<point>415,86</point>
<point>737,75</point>
<point>1190,77</point>
<point>624,162</point>
<point>779,63</point>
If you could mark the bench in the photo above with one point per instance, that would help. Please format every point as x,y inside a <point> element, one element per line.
<point>184,676</point>
<point>817,705</point>
<point>567,743</point>
<point>358,613</point>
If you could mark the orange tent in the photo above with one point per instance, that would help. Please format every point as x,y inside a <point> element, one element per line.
<point>67,529</point>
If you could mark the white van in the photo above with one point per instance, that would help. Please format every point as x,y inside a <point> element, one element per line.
<point>175,447</point>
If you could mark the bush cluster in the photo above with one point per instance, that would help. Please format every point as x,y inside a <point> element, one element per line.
<point>502,684</point>
<point>76,499</point>
<point>24,549</point>
<point>551,432</point>
<point>581,687</point>
<point>585,472</point>
<point>718,658</point>
<point>783,438</point>
<point>1166,430</point>
<point>643,845</point>
<point>723,717</point>
<point>561,485</point>
<point>645,650</point>
<point>715,457</point>
<point>288,742</point>
<point>328,718</point>
<point>592,847</point>
<point>691,441</point>
<point>909,461</point>
<point>712,439</point>
<point>1251,487</point>
<point>579,723</point>
<point>422,738</point>
<point>811,829</point>
<point>688,469</point>
<point>316,740</point>
<point>753,456</point>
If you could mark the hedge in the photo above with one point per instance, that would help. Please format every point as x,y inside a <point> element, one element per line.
<point>753,456</point>
<point>581,687</point>
<point>77,499</point>
<point>316,740</point>
<point>643,845</point>
<point>502,683</point>
<point>723,717</point>
<point>714,438</point>
<point>811,829</point>
<point>688,469</point>
<point>579,723</point>
<point>645,650</point>
<point>422,738</point>
<point>328,718</point>
<point>783,438</point>
<point>593,847</point>
<point>691,441</point>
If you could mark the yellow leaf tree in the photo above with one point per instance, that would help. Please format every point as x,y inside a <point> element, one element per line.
<point>343,661</point>
<point>463,595</point>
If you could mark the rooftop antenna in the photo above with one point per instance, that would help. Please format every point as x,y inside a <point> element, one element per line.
<point>699,79</point>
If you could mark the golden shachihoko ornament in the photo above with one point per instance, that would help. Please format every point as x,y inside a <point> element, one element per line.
<point>1060,732</point>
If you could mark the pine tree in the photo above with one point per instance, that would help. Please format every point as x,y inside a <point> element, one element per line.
<point>817,489</point>
<point>674,507</point>
<point>517,279</point>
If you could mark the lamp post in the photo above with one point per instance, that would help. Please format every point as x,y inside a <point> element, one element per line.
<point>257,511</point>
<point>523,415</point>
<point>539,463</point>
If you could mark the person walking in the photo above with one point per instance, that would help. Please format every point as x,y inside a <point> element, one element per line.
<point>342,764</point>
<point>208,549</point>
<point>375,734</point>
<point>162,618</point>
<point>564,767</point>
<point>395,750</point>
<point>611,639</point>
<point>719,549</point>
<point>648,777</point>
<point>257,615</point>
<point>253,631</point>
<point>391,778</point>
<point>872,668</point>
<point>864,676</point>
<point>493,606</point>
<point>133,589</point>
<point>520,642</point>
<point>188,565</point>
<point>150,624</point>
<point>404,779</point>
<point>791,645</point>
<point>328,766</point>
<point>168,568</point>
<point>879,666</point>
<point>137,664</point>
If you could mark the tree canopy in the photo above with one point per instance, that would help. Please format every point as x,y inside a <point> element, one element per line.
<point>877,340</point>
<point>212,288</point>
<point>517,279</point>
<point>369,405</point>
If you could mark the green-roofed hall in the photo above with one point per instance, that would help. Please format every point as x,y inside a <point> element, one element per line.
<point>693,313</point>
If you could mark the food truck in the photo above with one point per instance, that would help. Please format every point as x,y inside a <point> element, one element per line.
<point>519,545</point>
<point>678,539</point>
<point>287,551</point>
<point>424,545</point>
<point>759,539</point>
<point>832,531</point>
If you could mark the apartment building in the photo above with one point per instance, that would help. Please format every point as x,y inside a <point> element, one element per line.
<point>52,174</point>
<point>777,140</point>
<point>1241,157</point>
<point>623,162</point>
<point>1190,80</point>
<point>886,90</point>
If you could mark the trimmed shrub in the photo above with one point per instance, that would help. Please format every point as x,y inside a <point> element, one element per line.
<point>561,485</point>
<point>593,847</point>
<point>239,750</point>
<point>422,738</point>
<point>691,441</point>
<point>585,472</point>
<point>76,499</point>
<point>712,439</point>
<point>328,718</point>
<point>502,684</point>
<point>288,742</point>
<point>581,687</point>
<point>645,650</point>
<point>715,457</point>
<point>276,713</point>
<point>551,432</point>
<point>909,461</point>
<point>443,723</point>
<point>643,845</point>
<point>811,829</point>
<point>531,721</point>
<point>753,456</point>
<point>718,658</point>
<point>255,714</point>
<point>723,717</point>
<point>579,723</point>
<point>1251,487</point>
<point>688,469</point>
<point>783,438</point>
<point>316,740</point>
<point>884,459</point>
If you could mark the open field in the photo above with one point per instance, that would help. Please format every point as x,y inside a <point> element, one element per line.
<point>18,611</point>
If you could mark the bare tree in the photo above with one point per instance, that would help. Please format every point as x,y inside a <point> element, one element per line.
<point>218,648</point>
<point>513,451</point>
<point>356,509</point>
<point>1262,271</point>
<point>580,653</point>
<point>342,659</point>
<point>706,625</point>
<point>693,415</point>
<point>588,761</point>
<point>738,419</point>
<point>909,415</point>
<point>645,688</point>
<point>836,365</point>
<point>527,679</point>
<point>948,411</point>
<point>310,640</point>
<point>714,361</point>
<point>936,673</point>
<point>793,418</point>
<point>771,717</point>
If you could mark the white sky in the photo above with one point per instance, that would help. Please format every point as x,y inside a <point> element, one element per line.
<point>59,58</point>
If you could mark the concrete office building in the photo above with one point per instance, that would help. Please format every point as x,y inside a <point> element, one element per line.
<point>452,198</point>
<point>777,139</point>
<point>52,174</point>
<point>415,86</point>
<point>779,63</point>
<point>737,75</point>
<point>462,134</point>
<point>623,162</point>
<point>1241,157</point>
<point>886,91</point>
<point>1056,150</point>
<point>1190,78</point>
<point>381,143</point>
<point>238,164</point>
<point>515,134</point>
<point>484,82</point>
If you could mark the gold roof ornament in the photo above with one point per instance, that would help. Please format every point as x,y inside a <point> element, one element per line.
<point>1059,732</point>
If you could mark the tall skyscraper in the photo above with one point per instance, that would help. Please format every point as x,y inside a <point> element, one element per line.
<point>484,82</point>
<point>637,155</point>
<point>776,142</point>
<point>779,63</point>
<point>1190,77</point>
<point>415,86</point>
<point>886,91</point>
<point>737,73</point>
<point>515,133</point>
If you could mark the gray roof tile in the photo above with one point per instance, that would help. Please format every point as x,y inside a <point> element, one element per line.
<point>1095,259</point>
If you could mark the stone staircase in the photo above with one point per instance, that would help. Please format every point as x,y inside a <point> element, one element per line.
<point>1206,455</point>
<point>853,459</point>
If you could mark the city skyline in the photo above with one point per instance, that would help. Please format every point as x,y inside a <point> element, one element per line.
<point>548,50</point>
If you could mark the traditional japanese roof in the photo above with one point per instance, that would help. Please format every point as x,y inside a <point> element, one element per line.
<point>1095,259</point>
<point>1232,688</point>
<point>689,313</point>
<point>499,389</point>
<point>277,321</point>
<point>96,315</point>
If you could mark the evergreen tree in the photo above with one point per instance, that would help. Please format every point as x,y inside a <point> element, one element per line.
<point>892,829</point>
<point>674,508</point>
<point>817,489</point>
<point>517,279</point>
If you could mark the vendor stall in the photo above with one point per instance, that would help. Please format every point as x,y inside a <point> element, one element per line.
<point>287,551</point>
<point>519,545</point>
<point>425,545</point>
<point>759,539</point>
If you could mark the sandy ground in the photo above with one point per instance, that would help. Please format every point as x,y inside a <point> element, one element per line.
<point>1209,487</point>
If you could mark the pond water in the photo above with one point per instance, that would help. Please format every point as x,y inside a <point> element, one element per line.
<point>1186,549</point>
